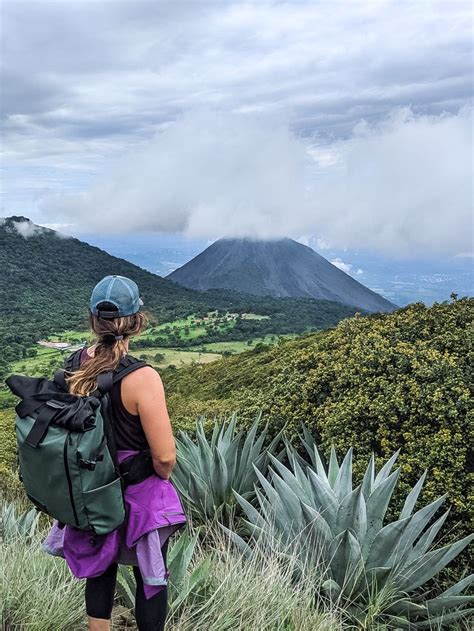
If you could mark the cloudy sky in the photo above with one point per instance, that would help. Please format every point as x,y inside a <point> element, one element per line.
<point>349,122</point>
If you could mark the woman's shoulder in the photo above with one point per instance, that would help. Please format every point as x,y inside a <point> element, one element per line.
<point>143,375</point>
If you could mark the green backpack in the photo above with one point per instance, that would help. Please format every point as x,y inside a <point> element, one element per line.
<point>66,449</point>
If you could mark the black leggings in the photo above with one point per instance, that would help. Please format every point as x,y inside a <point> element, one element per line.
<point>150,614</point>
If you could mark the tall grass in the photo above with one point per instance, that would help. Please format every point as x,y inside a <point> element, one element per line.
<point>37,591</point>
<point>255,592</point>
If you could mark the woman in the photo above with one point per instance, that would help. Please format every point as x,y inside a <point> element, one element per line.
<point>141,421</point>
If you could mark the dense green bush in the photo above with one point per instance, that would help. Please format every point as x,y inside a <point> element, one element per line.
<point>380,383</point>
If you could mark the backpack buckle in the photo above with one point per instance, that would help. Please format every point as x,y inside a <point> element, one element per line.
<point>87,464</point>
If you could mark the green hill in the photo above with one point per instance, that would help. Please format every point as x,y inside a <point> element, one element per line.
<point>380,383</point>
<point>46,279</point>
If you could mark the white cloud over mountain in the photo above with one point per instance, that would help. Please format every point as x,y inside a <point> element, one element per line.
<point>401,186</point>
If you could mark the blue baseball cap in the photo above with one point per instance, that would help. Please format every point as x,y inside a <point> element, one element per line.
<point>119,291</point>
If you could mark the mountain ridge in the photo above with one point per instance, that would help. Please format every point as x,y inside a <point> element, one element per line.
<point>278,268</point>
<point>46,280</point>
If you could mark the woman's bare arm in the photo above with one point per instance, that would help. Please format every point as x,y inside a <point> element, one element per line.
<point>143,394</point>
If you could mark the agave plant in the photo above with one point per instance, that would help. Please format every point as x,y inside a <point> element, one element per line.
<point>14,525</point>
<point>207,472</point>
<point>376,571</point>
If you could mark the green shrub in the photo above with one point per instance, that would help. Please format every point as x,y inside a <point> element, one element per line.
<point>378,383</point>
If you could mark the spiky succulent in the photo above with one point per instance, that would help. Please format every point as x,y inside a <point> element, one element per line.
<point>14,525</point>
<point>207,471</point>
<point>374,569</point>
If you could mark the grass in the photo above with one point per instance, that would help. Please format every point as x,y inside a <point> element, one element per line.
<point>249,594</point>
<point>175,357</point>
<point>37,591</point>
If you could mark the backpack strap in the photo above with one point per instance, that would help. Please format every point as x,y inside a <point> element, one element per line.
<point>73,362</point>
<point>127,365</point>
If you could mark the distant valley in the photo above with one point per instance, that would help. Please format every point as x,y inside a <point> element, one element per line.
<point>46,279</point>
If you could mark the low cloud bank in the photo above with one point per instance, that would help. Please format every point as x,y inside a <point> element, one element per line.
<point>402,186</point>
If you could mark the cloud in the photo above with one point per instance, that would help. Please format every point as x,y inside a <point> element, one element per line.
<point>402,186</point>
<point>346,267</point>
<point>82,80</point>
<point>25,229</point>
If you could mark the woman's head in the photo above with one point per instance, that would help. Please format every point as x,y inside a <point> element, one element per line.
<point>114,318</point>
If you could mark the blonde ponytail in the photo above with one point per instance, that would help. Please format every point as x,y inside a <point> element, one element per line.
<point>110,347</point>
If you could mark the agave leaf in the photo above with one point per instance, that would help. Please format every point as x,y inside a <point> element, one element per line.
<point>397,622</point>
<point>323,497</point>
<point>377,505</point>
<point>215,433</point>
<point>251,512</point>
<point>126,586</point>
<point>291,453</point>
<point>333,469</point>
<point>312,451</point>
<point>432,563</point>
<point>267,487</point>
<point>269,510</point>
<point>385,541</point>
<point>193,585</point>
<point>343,483</point>
<point>427,538</point>
<point>320,530</point>
<point>332,588</point>
<point>459,587</point>
<point>275,442</point>
<point>289,500</point>
<point>410,501</point>
<point>407,608</point>
<point>417,524</point>
<point>299,487</point>
<point>300,475</point>
<point>439,605</point>
<point>249,454</point>
<point>219,478</point>
<point>369,477</point>
<point>346,561</point>
<point>241,545</point>
<point>440,622</point>
<point>385,470</point>
<point>228,432</point>
<point>352,515</point>
<point>201,496</point>
<point>179,558</point>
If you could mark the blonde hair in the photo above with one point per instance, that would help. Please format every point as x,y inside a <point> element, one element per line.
<point>108,350</point>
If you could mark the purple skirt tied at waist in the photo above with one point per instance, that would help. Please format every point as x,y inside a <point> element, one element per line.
<point>153,513</point>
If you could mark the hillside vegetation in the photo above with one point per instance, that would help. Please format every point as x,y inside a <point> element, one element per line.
<point>46,280</point>
<point>380,383</point>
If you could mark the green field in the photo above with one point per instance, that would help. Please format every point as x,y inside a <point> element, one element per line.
<point>42,360</point>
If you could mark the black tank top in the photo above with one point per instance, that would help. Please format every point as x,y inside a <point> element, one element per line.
<point>128,430</point>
